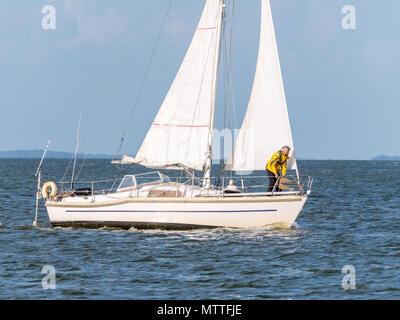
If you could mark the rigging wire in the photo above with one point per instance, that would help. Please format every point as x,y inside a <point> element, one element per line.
<point>66,171</point>
<point>224,58</point>
<point>143,81</point>
<point>73,156</point>
<point>228,87</point>
<point>76,150</point>
<point>80,169</point>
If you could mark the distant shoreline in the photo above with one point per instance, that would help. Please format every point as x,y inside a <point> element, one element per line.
<point>37,154</point>
<point>386,158</point>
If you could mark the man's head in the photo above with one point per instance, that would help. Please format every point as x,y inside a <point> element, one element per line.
<point>285,150</point>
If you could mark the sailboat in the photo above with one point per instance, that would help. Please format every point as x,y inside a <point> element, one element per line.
<point>181,138</point>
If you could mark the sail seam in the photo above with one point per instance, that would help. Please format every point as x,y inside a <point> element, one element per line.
<point>180,125</point>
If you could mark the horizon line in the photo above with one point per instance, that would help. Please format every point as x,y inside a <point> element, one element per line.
<point>106,156</point>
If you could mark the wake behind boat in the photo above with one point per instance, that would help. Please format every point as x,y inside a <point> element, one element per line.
<point>181,137</point>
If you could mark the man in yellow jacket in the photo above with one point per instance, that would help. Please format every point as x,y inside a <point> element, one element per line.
<point>277,164</point>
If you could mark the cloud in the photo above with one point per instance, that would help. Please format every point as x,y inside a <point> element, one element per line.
<point>379,57</point>
<point>178,29</point>
<point>96,27</point>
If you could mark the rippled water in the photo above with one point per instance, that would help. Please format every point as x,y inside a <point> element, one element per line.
<point>351,218</point>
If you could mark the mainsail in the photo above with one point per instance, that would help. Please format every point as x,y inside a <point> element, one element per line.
<point>181,133</point>
<point>266,126</point>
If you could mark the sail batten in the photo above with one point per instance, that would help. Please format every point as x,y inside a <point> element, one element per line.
<point>180,133</point>
<point>266,127</point>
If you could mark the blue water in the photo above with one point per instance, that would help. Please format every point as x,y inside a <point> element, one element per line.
<point>352,218</point>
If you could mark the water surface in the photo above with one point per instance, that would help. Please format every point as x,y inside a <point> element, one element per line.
<point>351,218</point>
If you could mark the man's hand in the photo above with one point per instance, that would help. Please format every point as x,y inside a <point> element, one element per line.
<point>276,175</point>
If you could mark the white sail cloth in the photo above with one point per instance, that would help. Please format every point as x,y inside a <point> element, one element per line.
<point>180,134</point>
<point>266,126</point>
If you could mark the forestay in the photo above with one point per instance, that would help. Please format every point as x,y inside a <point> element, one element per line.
<point>181,133</point>
<point>266,126</point>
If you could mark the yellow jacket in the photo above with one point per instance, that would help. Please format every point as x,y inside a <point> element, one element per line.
<point>277,163</point>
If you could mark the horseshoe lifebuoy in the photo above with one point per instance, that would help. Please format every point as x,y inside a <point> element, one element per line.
<point>45,190</point>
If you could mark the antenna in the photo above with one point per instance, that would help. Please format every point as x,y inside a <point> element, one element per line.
<point>37,174</point>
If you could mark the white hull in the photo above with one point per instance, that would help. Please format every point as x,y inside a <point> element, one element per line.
<point>179,213</point>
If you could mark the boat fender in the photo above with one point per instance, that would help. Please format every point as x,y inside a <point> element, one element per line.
<point>45,190</point>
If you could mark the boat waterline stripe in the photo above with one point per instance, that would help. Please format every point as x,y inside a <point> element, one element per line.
<point>179,125</point>
<point>175,211</point>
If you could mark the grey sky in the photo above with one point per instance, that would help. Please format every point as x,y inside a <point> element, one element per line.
<point>342,87</point>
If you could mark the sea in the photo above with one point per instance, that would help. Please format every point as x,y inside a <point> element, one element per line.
<point>345,244</point>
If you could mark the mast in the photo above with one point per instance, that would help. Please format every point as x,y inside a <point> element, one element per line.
<point>207,167</point>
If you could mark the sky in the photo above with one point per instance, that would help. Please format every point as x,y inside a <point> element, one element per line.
<point>342,86</point>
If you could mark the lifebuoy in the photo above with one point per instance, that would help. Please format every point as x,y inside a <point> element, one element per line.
<point>45,190</point>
